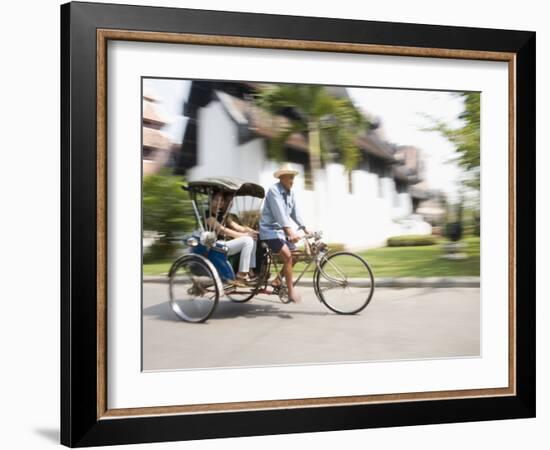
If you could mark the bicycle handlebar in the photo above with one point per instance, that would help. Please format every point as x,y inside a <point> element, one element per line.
<point>314,235</point>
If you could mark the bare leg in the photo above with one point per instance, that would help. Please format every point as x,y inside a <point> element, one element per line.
<point>286,256</point>
<point>279,278</point>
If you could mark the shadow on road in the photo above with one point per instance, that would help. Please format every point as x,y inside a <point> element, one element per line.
<point>230,310</point>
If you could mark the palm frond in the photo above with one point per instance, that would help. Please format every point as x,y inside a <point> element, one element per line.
<point>337,120</point>
<point>276,145</point>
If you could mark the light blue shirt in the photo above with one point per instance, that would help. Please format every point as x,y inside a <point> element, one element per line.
<point>279,207</point>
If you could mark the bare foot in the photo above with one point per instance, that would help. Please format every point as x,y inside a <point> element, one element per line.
<point>295,296</point>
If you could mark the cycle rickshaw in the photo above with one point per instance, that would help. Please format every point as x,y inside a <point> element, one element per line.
<point>342,281</point>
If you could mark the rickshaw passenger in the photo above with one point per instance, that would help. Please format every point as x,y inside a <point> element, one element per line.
<point>243,238</point>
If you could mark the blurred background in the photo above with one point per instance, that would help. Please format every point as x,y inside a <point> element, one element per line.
<point>390,173</point>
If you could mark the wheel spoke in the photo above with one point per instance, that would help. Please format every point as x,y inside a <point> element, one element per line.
<point>343,295</point>
<point>331,263</point>
<point>193,290</point>
<point>327,288</point>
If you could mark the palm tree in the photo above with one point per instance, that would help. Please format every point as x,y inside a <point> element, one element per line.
<point>332,124</point>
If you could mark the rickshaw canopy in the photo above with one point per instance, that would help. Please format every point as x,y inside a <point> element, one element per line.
<point>236,186</point>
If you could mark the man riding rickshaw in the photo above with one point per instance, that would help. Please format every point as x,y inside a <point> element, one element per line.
<point>223,258</point>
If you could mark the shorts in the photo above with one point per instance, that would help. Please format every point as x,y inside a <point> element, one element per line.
<point>277,244</point>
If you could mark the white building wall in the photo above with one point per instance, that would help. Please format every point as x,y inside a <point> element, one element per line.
<point>219,152</point>
<point>216,144</point>
<point>364,218</point>
<point>251,160</point>
<point>405,206</point>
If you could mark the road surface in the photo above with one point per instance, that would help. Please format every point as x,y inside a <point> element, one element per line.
<point>409,323</point>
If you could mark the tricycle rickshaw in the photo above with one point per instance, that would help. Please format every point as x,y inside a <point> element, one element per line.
<point>343,281</point>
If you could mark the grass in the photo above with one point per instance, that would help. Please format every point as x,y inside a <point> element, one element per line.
<point>424,261</point>
<point>158,268</point>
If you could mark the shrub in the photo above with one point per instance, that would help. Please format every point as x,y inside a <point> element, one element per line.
<point>167,211</point>
<point>161,250</point>
<point>336,246</point>
<point>412,240</point>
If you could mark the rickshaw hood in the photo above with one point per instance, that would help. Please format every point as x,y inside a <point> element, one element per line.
<point>237,186</point>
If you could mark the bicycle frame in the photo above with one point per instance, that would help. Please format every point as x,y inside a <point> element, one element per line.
<point>316,257</point>
<point>315,252</point>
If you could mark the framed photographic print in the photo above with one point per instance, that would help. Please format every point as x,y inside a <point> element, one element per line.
<point>277,224</point>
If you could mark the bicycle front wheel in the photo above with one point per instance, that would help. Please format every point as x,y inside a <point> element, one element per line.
<point>344,282</point>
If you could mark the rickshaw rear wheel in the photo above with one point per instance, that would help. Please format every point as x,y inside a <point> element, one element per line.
<point>194,288</point>
<point>241,294</point>
<point>244,294</point>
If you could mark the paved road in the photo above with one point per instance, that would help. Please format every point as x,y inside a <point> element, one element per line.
<point>398,324</point>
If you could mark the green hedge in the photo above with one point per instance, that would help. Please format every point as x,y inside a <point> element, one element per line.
<point>412,240</point>
<point>336,246</point>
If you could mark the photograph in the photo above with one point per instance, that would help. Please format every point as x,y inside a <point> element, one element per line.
<point>297,224</point>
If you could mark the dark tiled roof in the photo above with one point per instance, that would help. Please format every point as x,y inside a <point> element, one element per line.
<point>260,122</point>
<point>374,146</point>
<point>405,174</point>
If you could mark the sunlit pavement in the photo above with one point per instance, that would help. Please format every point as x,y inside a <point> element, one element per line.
<point>397,324</point>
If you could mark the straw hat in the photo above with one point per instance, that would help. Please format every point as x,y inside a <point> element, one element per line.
<point>285,169</point>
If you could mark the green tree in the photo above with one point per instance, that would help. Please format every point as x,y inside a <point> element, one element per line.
<point>466,140</point>
<point>167,211</point>
<point>466,137</point>
<point>331,124</point>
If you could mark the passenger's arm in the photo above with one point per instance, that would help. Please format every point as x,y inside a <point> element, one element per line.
<point>220,229</point>
<point>247,231</point>
<point>235,226</point>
